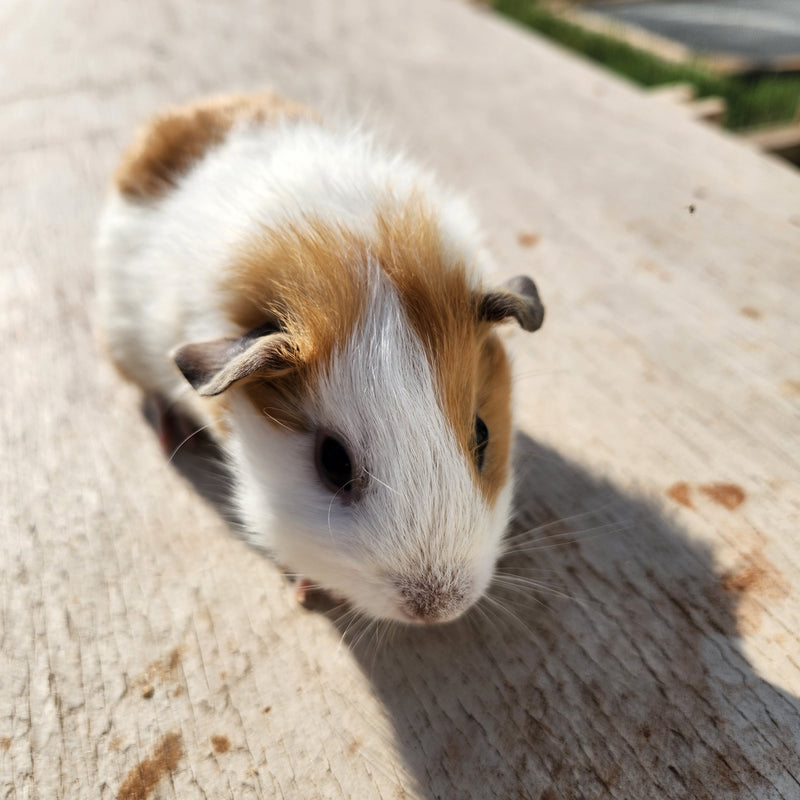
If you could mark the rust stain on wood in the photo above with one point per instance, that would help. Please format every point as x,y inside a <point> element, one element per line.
<point>5,743</point>
<point>161,669</point>
<point>525,239</point>
<point>728,495</point>
<point>144,777</point>
<point>750,312</point>
<point>647,265</point>
<point>221,744</point>
<point>354,747</point>
<point>679,492</point>
<point>790,388</point>
<point>756,578</point>
<point>748,578</point>
<point>174,659</point>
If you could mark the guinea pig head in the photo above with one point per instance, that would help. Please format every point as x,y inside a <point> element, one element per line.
<point>368,402</point>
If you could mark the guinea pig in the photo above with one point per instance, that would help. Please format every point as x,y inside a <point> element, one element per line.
<point>320,305</point>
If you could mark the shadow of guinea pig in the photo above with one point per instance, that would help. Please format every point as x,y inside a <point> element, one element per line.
<point>604,663</point>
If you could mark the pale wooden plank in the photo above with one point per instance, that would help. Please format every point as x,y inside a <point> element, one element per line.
<point>668,363</point>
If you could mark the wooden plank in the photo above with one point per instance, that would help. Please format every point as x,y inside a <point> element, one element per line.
<point>147,652</point>
<point>783,141</point>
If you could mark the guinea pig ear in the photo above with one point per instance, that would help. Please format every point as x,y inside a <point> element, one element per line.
<point>516,298</point>
<point>211,367</point>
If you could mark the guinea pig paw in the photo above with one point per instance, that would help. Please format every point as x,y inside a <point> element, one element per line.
<point>314,598</point>
<point>303,590</point>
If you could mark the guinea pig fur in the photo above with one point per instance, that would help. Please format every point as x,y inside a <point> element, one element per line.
<point>321,306</point>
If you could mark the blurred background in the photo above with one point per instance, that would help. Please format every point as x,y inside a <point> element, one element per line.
<point>734,63</point>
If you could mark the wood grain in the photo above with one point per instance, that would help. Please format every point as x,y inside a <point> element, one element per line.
<point>147,651</point>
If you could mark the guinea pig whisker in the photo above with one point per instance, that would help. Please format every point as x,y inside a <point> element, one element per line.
<point>545,373</point>
<point>506,612</point>
<point>506,618</point>
<point>565,538</point>
<point>514,589</point>
<point>491,612</point>
<point>381,630</point>
<point>274,419</point>
<point>356,616</point>
<point>368,623</point>
<point>190,436</point>
<point>338,607</point>
<point>544,572</point>
<point>378,480</point>
<point>559,521</point>
<point>392,634</point>
<point>478,608</point>
<point>520,582</point>
<point>330,505</point>
<point>538,534</point>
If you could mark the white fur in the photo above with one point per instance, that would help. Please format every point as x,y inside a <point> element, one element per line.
<point>160,270</point>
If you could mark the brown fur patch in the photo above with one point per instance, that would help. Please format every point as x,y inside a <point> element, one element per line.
<point>494,407</point>
<point>175,140</point>
<point>312,278</point>
<point>308,279</point>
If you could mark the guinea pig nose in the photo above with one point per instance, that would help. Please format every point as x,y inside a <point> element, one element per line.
<point>432,599</point>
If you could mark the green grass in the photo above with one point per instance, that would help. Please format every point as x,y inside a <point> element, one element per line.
<point>752,101</point>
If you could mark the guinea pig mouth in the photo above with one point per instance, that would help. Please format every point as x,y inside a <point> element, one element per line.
<point>429,600</point>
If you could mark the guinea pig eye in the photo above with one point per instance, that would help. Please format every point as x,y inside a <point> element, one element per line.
<point>481,440</point>
<point>334,464</point>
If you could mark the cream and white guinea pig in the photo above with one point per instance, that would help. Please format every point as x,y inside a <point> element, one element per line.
<point>321,306</point>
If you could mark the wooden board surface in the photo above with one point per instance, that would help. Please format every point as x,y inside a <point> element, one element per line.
<point>148,652</point>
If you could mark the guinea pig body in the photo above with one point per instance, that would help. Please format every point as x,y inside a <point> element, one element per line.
<point>321,306</point>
